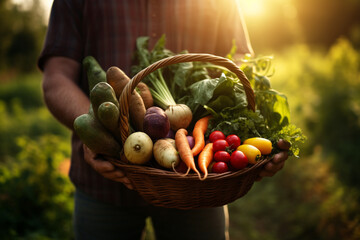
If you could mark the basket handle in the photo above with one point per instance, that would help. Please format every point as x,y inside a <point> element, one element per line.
<point>189,57</point>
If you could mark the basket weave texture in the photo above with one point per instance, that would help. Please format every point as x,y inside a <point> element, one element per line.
<point>169,189</point>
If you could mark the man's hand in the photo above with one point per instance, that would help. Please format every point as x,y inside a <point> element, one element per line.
<point>278,161</point>
<point>105,168</point>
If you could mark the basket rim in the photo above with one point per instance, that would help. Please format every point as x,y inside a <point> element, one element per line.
<point>149,170</point>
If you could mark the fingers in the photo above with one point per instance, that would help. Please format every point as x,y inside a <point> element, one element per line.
<point>280,157</point>
<point>105,168</point>
<point>270,169</point>
<point>101,166</point>
<point>284,145</point>
<point>275,165</point>
<point>278,161</point>
<point>108,170</point>
<point>118,176</point>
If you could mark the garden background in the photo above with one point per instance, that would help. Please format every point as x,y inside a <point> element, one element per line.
<point>316,49</point>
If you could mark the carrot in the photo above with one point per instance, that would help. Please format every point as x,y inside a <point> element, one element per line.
<point>198,134</point>
<point>183,147</point>
<point>205,159</point>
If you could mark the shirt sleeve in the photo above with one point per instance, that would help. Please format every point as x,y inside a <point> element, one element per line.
<point>64,33</point>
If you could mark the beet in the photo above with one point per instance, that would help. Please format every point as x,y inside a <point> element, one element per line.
<point>156,123</point>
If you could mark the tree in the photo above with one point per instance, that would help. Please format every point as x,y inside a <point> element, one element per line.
<point>22,31</point>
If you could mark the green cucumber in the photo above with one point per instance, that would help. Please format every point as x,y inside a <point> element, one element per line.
<point>102,92</point>
<point>94,71</point>
<point>108,114</point>
<point>95,136</point>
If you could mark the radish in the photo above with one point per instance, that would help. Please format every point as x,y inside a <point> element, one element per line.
<point>138,148</point>
<point>165,153</point>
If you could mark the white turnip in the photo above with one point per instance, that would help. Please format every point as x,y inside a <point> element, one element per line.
<point>165,153</point>
<point>179,116</point>
<point>138,148</point>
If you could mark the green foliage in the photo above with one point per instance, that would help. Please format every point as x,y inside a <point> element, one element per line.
<point>17,121</point>
<point>329,102</point>
<point>36,198</point>
<point>339,111</point>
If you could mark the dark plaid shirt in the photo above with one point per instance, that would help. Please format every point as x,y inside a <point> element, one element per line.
<point>107,30</point>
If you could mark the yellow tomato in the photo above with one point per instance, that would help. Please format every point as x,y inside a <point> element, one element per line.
<point>263,144</point>
<point>252,153</point>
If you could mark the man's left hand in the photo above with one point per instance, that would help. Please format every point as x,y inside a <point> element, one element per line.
<point>278,161</point>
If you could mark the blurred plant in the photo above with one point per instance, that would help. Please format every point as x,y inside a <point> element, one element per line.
<point>35,198</point>
<point>22,31</point>
<point>23,113</point>
<point>26,88</point>
<point>338,111</point>
<point>316,196</point>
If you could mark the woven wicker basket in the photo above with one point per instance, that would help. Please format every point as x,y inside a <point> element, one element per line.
<point>169,189</point>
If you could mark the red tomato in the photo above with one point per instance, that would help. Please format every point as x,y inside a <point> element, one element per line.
<point>215,135</point>
<point>220,145</point>
<point>233,141</point>
<point>220,167</point>
<point>238,160</point>
<point>222,156</point>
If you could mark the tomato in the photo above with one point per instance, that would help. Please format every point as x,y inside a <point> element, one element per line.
<point>252,153</point>
<point>233,141</point>
<point>238,160</point>
<point>215,135</point>
<point>222,156</point>
<point>263,144</point>
<point>220,167</point>
<point>220,145</point>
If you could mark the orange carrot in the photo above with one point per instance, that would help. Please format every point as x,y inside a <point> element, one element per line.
<point>183,147</point>
<point>198,134</point>
<point>205,159</point>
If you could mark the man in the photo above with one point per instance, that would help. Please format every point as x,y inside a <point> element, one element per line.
<point>105,205</point>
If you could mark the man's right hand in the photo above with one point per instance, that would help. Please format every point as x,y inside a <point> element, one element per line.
<point>105,168</point>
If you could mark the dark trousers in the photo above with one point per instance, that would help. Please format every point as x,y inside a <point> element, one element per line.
<point>95,220</point>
